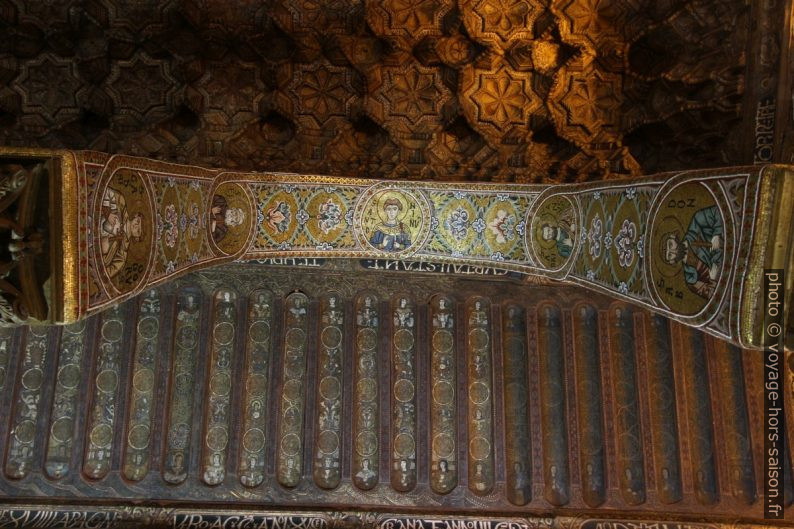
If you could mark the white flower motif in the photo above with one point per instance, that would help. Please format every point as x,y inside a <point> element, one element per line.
<point>590,275</point>
<point>330,189</point>
<point>498,256</point>
<point>433,223</point>
<point>623,288</point>
<point>194,257</point>
<point>631,193</point>
<point>324,246</point>
<point>171,181</point>
<point>194,185</point>
<point>349,217</point>
<point>170,267</point>
<point>521,227</point>
<point>624,243</point>
<point>457,253</point>
<point>302,216</point>
<point>597,195</point>
<point>479,225</point>
<point>583,235</point>
<point>641,247</point>
<point>260,217</point>
<point>329,216</point>
<point>459,194</point>
<point>608,241</point>
<point>183,222</point>
<point>594,235</point>
<point>289,188</point>
<point>284,246</point>
<point>500,197</point>
<point>458,223</point>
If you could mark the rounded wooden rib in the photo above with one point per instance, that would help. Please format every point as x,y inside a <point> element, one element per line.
<point>328,420</point>
<point>403,363</point>
<point>6,341</point>
<point>139,422</point>
<point>64,402</point>
<point>107,374</point>
<point>589,405</point>
<point>366,453</point>
<point>480,396</point>
<point>22,430</point>
<point>631,474</point>
<point>443,416</point>
<point>516,404</point>
<point>735,419</point>
<point>219,387</point>
<point>289,461</point>
<point>553,416</point>
<point>701,434</point>
<point>183,381</point>
<point>257,383</point>
<point>664,420</point>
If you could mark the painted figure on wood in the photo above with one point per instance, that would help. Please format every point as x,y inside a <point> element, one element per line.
<point>554,231</point>
<point>699,251</point>
<point>222,217</point>
<point>391,234</point>
<point>118,229</point>
<point>561,233</point>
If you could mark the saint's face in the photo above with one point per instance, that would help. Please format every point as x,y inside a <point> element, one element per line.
<point>548,233</point>
<point>671,250</point>
<point>391,212</point>
<point>234,216</point>
<point>136,227</point>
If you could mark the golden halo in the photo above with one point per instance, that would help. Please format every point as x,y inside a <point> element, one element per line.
<point>383,196</point>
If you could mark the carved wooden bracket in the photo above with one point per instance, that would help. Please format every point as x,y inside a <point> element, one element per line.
<point>24,255</point>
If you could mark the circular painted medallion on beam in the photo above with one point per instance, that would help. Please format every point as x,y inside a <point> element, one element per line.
<point>230,218</point>
<point>125,229</point>
<point>392,221</point>
<point>689,239</point>
<point>554,232</point>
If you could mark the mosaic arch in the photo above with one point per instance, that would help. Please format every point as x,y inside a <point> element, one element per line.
<point>689,245</point>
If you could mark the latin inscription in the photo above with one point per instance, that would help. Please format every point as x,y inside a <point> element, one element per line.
<point>437,268</point>
<point>764,130</point>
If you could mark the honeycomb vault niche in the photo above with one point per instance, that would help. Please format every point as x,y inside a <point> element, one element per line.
<point>507,90</point>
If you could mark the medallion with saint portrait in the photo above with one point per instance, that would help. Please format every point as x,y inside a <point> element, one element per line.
<point>229,218</point>
<point>393,221</point>
<point>554,231</point>
<point>688,244</point>
<point>124,228</point>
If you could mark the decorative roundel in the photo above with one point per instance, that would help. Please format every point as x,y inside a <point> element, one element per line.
<point>230,218</point>
<point>124,228</point>
<point>391,221</point>
<point>553,232</point>
<point>689,238</point>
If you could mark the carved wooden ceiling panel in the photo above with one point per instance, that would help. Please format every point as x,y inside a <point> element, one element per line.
<point>512,90</point>
<point>327,387</point>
